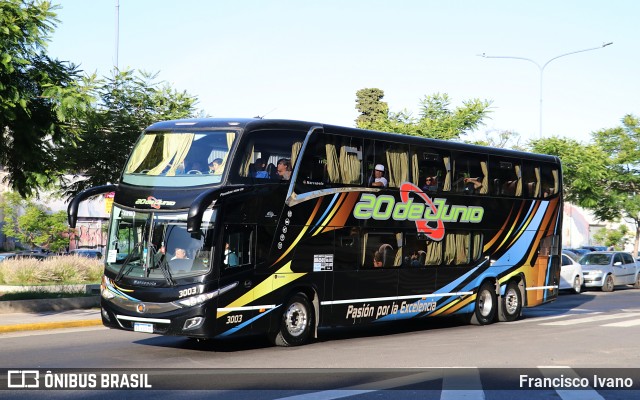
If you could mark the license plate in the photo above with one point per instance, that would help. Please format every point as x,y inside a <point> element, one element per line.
<point>143,327</point>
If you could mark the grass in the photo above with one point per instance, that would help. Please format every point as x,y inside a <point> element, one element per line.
<point>52,278</point>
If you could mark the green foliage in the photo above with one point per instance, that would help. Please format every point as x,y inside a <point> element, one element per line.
<point>372,109</point>
<point>59,270</point>
<point>437,119</point>
<point>39,97</point>
<point>128,102</point>
<point>613,237</point>
<point>500,139</point>
<point>584,167</point>
<point>603,176</point>
<point>33,224</point>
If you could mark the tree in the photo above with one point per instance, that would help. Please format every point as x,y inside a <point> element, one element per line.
<point>38,96</point>
<point>613,237</point>
<point>500,139</point>
<point>34,224</point>
<point>436,119</point>
<point>372,108</point>
<point>603,176</point>
<point>128,102</point>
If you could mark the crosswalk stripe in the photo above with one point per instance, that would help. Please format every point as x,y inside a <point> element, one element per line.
<point>598,318</point>
<point>454,380</point>
<point>538,319</point>
<point>568,394</point>
<point>624,324</point>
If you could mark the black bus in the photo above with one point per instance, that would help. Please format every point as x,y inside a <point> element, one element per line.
<point>225,227</point>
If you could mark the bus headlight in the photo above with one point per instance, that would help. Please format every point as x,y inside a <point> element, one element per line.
<point>105,290</point>
<point>201,298</point>
<point>197,300</point>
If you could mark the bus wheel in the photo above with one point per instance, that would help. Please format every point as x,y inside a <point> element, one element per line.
<point>511,306</point>
<point>296,322</point>
<point>486,302</point>
<point>608,284</point>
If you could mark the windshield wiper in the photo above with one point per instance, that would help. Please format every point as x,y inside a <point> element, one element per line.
<point>165,268</point>
<point>126,261</point>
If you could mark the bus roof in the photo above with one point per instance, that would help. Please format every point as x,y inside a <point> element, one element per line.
<point>258,123</point>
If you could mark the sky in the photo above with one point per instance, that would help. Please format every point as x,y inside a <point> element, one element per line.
<point>306,60</point>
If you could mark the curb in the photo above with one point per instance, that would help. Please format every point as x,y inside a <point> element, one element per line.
<point>50,325</point>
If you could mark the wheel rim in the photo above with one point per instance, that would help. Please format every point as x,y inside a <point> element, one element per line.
<point>576,284</point>
<point>511,302</point>
<point>609,282</point>
<point>296,319</point>
<point>485,303</point>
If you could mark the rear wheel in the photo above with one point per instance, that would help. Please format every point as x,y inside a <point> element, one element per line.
<point>511,306</point>
<point>486,303</point>
<point>608,284</point>
<point>296,322</point>
<point>576,285</point>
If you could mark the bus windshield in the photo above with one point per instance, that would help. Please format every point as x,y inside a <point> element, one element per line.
<point>157,245</point>
<point>179,158</point>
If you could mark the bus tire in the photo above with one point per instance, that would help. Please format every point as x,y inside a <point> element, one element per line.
<point>511,306</point>
<point>296,322</point>
<point>486,304</point>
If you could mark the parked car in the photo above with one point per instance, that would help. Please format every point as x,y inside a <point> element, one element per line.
<point>607,269</point>
<point>89,253</point>
<point>6,256</point>
<point>571,274</point>
<point>579,252</point>
<point>23,254</point>
<point>595,248</point>
<point>571,254</point>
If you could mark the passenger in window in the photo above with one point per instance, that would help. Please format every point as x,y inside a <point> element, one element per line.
<point>284,169</point>
<point>261,168</point>
<point>430,184</point>
<point>378,179</point>
<point>472,184</point>
<point>230,257</point>
<point>377,259</point>
<point>214,166</point>
<point>181,254</point>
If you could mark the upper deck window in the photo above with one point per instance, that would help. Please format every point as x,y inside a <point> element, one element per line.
<point>180,158</point>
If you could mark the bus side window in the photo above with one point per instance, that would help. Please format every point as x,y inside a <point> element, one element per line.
<point>238,246</point>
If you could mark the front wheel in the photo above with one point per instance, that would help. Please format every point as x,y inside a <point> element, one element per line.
<point>486,301</point>
<point>296,322</point>
<point>511,306</point>
<point>577,287</point>
<point>608,284</point>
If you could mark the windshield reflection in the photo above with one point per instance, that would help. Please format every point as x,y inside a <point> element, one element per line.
<point>157,245</point>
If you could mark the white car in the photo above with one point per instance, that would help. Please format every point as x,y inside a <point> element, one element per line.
<point>571,274</point>
<point>607,269</point>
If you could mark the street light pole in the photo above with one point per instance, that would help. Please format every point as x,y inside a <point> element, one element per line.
<point>543,66</point>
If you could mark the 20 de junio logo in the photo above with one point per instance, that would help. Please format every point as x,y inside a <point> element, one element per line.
<point>32,379</point>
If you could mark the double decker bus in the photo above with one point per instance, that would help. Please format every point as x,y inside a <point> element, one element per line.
<point>222,228</point>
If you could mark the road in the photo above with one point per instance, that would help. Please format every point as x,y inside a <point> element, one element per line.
<point>590,330</point>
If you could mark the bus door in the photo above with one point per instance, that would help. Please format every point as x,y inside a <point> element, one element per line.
<point>236,310</point>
